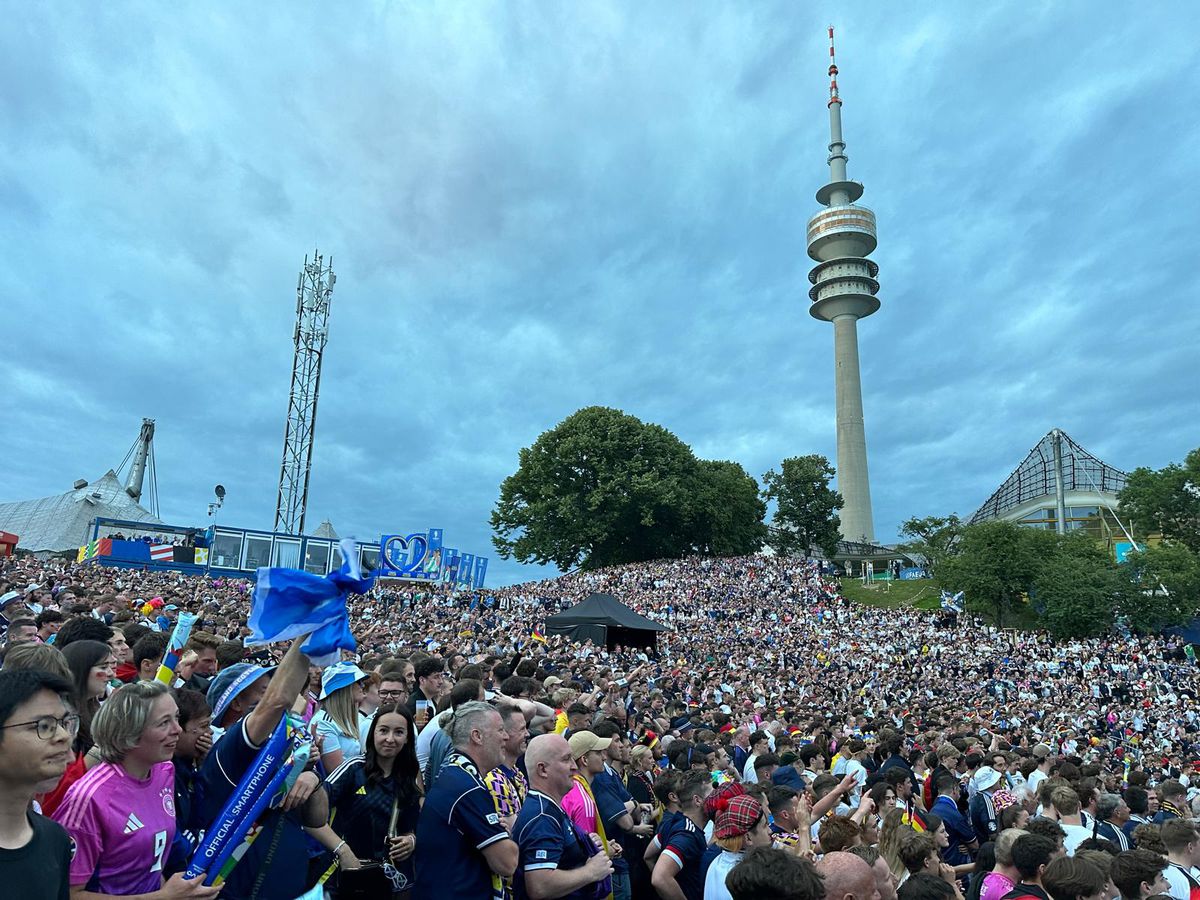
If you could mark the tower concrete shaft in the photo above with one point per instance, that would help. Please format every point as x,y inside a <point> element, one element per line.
<point>840,237</point>
<point>313,293</point>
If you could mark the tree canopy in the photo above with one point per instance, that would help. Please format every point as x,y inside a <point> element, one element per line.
<point>603,488</point>
<point>806,506</point>
<point>1079,588</point>
<point>995,566</point>
<point>1166,501</point>
<point>934,538</point>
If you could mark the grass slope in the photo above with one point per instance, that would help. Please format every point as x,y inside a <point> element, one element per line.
<point>921,594</point>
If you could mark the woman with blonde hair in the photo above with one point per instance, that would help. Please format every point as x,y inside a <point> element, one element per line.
<point>339,726</point>
<point>891,827</point>
<point>121,814</point>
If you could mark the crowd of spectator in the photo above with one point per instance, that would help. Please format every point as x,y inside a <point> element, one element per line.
<point>776,741</point>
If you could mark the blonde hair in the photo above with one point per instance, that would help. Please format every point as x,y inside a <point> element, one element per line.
<point>890,829</point>
<point>343,711</point>
<point>639,753</point>
<point>122,718</point>
<point>733,844</point>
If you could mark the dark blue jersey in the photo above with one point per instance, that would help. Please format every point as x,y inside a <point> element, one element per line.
<point>459,820</point>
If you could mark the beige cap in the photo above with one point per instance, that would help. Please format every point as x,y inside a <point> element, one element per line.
<point>585,742</point>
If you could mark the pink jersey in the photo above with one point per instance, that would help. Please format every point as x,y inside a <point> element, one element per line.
<point>995,886</point>
<point>580,809</point>
<point>122,828</point>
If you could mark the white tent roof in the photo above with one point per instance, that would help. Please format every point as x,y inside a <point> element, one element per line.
<point>63,522</point>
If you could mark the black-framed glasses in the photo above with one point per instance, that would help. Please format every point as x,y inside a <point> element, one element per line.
<point>47,726</point>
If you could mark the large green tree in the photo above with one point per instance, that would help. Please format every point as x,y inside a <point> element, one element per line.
<point>728,510</point>
<point>997,562</point>
<point>1166,501</point>
<point>806,506</point>
<point>1168,581</point>
<point>935,538</point>
<point>603,488</point>
<point>1079,588</point>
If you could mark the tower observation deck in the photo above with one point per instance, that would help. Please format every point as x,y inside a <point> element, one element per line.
<point>844,289</point>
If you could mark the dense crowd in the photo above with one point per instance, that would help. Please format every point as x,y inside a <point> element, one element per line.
<point>777,741</point>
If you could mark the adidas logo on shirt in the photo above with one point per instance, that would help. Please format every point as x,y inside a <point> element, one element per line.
<point>133,824</point>
<point>362,791</point>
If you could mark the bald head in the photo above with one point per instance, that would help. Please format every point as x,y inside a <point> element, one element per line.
<point>847,877</point>
<point>549,764</point>
<point>543,748</point>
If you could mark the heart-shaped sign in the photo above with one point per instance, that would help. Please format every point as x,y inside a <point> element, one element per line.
<point>406,553</point>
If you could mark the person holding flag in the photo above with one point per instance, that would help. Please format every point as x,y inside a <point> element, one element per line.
<point>269,869</point>
<point>311,611</point>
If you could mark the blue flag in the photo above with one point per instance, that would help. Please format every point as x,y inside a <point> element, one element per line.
<point>952,602</point>
<point>289,603</point>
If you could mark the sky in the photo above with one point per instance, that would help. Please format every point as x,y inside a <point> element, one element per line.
<point>537,207</point>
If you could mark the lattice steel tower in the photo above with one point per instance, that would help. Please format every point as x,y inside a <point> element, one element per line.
<point>840,237</point>
<point>313,292</point>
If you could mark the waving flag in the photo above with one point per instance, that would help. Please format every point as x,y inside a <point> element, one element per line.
<point>289,603</point>
<point>538,635</point>
<point>952,602</point>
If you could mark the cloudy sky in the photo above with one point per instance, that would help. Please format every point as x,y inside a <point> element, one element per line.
<point>534,207</point>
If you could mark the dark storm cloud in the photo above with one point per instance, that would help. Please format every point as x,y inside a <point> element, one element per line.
<point>535,208</point>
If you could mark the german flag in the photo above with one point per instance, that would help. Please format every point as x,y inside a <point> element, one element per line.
<point>538,635</point>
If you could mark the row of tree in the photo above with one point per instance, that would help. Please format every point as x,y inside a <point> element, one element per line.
<point>1071,582</point>
<point>604,488</point>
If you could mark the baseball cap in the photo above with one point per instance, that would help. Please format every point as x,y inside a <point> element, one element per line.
<point>585,742</point>
<point>985,777</point>
<point>338,676</point>
<point>1041,751</point>
<point>230,682</point>
<point>737,816</point>
<point>552,681</point>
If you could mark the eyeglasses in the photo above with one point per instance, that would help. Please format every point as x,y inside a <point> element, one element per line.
<point>383,694</point>
<point>47,726</point>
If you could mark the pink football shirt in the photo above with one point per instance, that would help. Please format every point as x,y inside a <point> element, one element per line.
<point>122,828</point>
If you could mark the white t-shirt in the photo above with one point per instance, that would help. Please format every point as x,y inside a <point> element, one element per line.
<point>718,869</point>
<point>1076,835</point>
<point>859,771</point>
<point>1036,777</point>
<point>425,741</point>
<point>748,773</point>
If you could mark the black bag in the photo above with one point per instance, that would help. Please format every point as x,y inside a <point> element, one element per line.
<point>368,882</point>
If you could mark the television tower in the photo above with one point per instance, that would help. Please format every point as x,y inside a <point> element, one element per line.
<point>840,237</point>
<point>313,292</point>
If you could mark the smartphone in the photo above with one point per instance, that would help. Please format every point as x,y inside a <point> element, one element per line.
<point>425,705</point>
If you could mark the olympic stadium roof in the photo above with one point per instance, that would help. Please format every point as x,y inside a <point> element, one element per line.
<point>62,522</point>
<point>1033,479</point>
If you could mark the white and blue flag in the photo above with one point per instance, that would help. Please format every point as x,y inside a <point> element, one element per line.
<point>289,603</point>
<point>952,602</point>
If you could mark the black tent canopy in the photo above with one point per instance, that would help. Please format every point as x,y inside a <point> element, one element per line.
<point>604,619</point>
